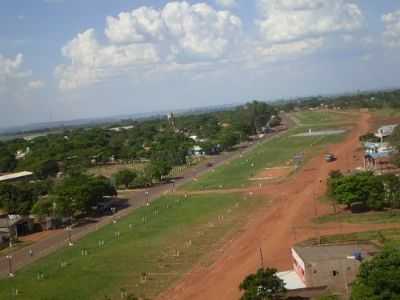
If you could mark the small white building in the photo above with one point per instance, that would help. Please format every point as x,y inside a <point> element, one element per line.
<point>118,129</point>
<point>196,151</point>
<point>385,131</point>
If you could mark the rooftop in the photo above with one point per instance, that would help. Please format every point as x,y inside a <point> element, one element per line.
<point>333,252</point>
<point>15,176</point>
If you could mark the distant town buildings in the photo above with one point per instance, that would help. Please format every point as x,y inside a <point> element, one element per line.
<point>121,128</point>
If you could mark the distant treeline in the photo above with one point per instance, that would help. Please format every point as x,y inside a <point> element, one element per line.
<point>378,100</point>
<point>162,143</point>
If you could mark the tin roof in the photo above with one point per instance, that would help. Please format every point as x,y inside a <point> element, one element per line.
<point>15,176</point>
<point>333,252</point>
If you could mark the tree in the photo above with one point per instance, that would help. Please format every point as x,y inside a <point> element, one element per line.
<point>17,198</point>
<point>369,137</point>
<point>44,207</point>
<point>47,168</point>
<point>125,177</point>
<point>7,160</point>
<point>379,278</point>
<point>157,169</point>
<point>77,194</point>
<point>264,285</point>
<point>391,184</point>
<point>228,139</point>
<point>363,187</point>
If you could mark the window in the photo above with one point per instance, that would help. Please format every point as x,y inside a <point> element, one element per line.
<point>335,273</point>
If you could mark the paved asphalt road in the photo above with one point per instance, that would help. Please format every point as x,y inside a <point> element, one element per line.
<point>59,239</point>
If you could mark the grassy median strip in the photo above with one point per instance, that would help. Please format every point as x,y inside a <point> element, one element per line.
<point>382,217</point>
<point>378,236</point>
<point>321,117</point>
<point>143,253</point>
<point>276,152</point>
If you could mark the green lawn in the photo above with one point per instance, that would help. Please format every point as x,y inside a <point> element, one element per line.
<point>387,112</point>
<point>320,118</point>
<point>380,237</point>
<point>146,248</point>
<point>276,152</point>
<point>383,217</point>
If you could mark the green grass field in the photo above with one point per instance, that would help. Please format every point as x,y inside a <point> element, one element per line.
<point>386,112</point>
<point>321,118</point>
<point>383,217</point>
<point>277,152</point>
<point>147,247</point>
<point>380,237</point>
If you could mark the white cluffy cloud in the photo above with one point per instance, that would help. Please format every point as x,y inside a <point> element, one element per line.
<point>179,33</point>
<point>36,84</point>
<point>13,78</point>
<point>92,62</point>
<point>289,20</point>
<point>392,29</point>
<point>226,3</point>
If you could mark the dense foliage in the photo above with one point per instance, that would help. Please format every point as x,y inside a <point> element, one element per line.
<point>379,278</point>
<point>376,192</point>
<point>264,285</point>
<point>378,100</point>
<point>125,178</point>
<point>161,143</point>
<point>157,140</point>
<point>75,195</point>
<point>395,141</point>
<point>18,198</point>
<point>7,159</point>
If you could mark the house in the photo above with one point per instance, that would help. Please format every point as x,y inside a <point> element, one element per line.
<point>196,151</point>
<point>385,131</point>
<point>334,266</point>
<point>13,177</point>
<point>21,154</point>
<point>4,231</point>
<point>318,269</point>
<point>12,226</point>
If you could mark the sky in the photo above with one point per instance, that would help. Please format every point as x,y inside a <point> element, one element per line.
<point>72,59</point>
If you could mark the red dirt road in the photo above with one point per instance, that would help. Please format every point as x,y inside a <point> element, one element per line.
<point>275,228</point>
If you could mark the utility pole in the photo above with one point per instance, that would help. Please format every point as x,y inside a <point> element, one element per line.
<point>69,232</point>
<point>10,272</point>
<point>261,258</point>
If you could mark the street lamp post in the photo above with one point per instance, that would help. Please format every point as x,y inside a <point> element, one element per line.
<point>113,210</point>
<point>10,272</point>
<point>69,231</point>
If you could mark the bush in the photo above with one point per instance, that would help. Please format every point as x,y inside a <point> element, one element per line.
<point>380,277</point>
<point>363,187</point>
<point>125,177</point>
<point>264,285</point>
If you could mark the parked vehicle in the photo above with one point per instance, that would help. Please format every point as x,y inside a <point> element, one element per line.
<point>329,157</point>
